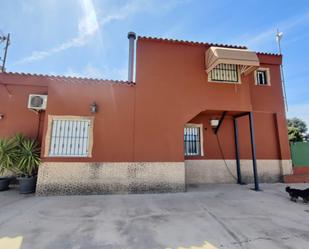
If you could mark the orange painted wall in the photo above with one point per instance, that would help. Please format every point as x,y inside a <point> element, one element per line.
<point>172,88</point>
<point>266,137</point>
<point>113,123</point>
<point>14,92</point>
<point>145,122</point>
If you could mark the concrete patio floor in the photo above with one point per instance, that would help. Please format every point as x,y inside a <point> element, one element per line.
<point>226,216</point>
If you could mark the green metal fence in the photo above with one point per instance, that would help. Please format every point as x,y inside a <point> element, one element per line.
<point>300,154</point>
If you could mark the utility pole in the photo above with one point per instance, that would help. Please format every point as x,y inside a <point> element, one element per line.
<point>5,39</point>
<point>279,36</point>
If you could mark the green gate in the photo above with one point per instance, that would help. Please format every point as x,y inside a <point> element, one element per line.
<point>300,154</point>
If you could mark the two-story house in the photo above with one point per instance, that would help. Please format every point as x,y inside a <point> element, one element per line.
<point>196,113</point>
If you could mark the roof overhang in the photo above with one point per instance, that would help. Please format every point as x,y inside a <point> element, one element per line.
<point>246,59</point>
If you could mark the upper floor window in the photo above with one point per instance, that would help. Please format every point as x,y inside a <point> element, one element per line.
<point>69,136</point>
<point>262,77</point>
<point>224,73</point>
<point>193,140</point>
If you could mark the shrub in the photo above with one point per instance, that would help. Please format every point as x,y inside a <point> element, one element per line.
<point>28,157</point>
<point>8,155</point>
<point>19,155</point>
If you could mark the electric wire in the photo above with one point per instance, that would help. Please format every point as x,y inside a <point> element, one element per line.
<point>223,158</point>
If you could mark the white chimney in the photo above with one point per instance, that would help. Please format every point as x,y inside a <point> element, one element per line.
<point>131,37</point>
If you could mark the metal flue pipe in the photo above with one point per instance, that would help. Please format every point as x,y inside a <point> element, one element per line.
<point>131,37</point>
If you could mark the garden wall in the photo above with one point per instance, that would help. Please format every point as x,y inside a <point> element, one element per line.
<point>300,154</point>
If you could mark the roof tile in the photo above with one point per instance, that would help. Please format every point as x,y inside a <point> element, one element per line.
<point>72,79</point>
<point>200,43</point>
<point>189,42</point>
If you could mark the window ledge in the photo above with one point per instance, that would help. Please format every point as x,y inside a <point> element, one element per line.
<point>263,85</point>
<point>224,82</point>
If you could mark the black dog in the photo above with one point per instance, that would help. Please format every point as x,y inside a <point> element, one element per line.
<point>296,193</point>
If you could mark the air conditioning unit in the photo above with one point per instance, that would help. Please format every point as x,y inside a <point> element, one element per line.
<point>37,102</point>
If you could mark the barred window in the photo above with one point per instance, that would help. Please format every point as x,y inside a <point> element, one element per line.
<point>224,73</point>
<point>70,137</point>
<point>192,140</point>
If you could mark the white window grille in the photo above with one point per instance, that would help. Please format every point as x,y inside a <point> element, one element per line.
<point>224,73</point>
<point>193,140</point>
<point>70,137</point>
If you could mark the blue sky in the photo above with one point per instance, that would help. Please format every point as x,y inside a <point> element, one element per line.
<point>88,37</point>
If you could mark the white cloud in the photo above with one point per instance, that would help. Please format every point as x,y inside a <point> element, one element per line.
<point>90,71</point>
<point>87,27</point>
<point>90,23</point>
<point>268,35</point>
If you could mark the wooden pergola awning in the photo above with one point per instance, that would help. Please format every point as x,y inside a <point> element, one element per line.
<point>246,59</point>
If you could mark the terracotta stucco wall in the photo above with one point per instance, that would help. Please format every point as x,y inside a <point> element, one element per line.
<point>265,135</point>
<point>113,123</point>
<point>269,100</point>
<point>14,93</point>
<point>144,122</point>
<point>172,88</point>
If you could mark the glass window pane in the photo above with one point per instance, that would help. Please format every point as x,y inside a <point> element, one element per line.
<point>261,77</point>
<point>192,145</point>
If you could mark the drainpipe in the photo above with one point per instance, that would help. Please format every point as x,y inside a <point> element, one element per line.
<point>131,37</point>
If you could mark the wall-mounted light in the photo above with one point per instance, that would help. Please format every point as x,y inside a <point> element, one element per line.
<point>94,107</point>
<point>1,115</point>
<point>214,123</point>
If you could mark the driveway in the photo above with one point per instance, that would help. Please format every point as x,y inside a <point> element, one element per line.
<point>213,216</point>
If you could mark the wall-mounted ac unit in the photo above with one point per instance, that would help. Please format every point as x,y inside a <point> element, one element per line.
<point>37,102</point>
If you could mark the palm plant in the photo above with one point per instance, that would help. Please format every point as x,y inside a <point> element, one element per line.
<point>21,156</point>
<point>19,138</point>
<point>28,157</point>
<point>8,155</point>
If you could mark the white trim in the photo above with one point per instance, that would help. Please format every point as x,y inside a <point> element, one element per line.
<point>265,69</point>
<point>200,126</point>
<point>50,129</point>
